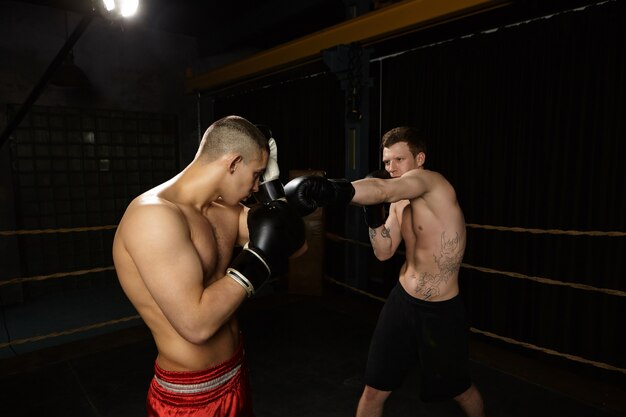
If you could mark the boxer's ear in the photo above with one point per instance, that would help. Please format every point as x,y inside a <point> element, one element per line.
<point>420,159</point>
<point>233,160</point>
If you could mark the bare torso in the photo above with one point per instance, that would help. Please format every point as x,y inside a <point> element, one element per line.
<point>433,231</point>
<point>213,234</point>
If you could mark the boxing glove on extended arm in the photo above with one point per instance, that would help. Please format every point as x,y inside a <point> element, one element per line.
<point>270,188</point>
<point>276,232</point>
<point>309,192</point>
<point>375,215</point>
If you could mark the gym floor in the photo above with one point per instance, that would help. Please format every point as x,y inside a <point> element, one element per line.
<point>306,356</point>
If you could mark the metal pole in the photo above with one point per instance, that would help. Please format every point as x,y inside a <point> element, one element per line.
<point>43,81</point>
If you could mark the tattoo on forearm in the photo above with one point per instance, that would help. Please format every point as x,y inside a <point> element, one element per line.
<point>385,233</point>
<point>448,263</point>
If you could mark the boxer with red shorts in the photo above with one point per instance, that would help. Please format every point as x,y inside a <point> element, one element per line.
<point>222,390</point>
<point>175,260</point>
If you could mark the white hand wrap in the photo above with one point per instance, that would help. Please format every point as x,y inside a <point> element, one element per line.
<point>271,188</point>
<point>272,171</point>
<point>249,270</point>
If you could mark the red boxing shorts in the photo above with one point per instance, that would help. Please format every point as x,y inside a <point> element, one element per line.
<point>221,391</point>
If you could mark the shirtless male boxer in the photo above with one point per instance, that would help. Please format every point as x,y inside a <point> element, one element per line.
<point>424,317</point>
<point>172,252</point>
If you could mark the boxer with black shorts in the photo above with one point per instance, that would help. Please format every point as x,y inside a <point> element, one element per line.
<point>424,317</point>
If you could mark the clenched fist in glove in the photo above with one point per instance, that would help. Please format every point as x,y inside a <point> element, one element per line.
<point>276,232</point>
<point>309,192</point>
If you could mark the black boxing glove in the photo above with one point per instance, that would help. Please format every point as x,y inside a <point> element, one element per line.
<point>375,215</point>
<point>270,188</point>
<point>309,192</point>
<point>276,232</point>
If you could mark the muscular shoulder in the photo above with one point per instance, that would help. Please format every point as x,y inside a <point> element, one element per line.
<point>149,207</point>
<point>433,182</point>
<point>431,177</point>
<point>149,216</point>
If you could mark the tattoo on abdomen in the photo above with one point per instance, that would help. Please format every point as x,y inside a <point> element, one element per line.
<point>448,263</point>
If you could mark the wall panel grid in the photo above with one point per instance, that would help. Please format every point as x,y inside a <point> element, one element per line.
<point>80,168</point>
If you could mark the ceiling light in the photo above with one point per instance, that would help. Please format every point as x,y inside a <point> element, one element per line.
<point>109,5</point>
<point>120,8</point>
<point>69,75</point>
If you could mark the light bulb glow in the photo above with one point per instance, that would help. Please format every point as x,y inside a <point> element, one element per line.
<point>120,8</point>
<point>109,5</point>
<point>128,7</point>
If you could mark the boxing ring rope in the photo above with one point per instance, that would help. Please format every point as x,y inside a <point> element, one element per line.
<point>546,231</point>
<point>48,231</point>
<point>56,275</point>
<point>68,332</point>
<point>337,238</point>
<point>502,338</point>
<point>542,280</point>
<point>546,280</point>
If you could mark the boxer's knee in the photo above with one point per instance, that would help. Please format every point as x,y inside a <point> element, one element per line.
<point>373,395</point>
<point>372,402</point>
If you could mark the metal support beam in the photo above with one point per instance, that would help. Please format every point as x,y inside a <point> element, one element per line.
<point>43,81</point>
<point>350,63</point>
<point>390,21</point>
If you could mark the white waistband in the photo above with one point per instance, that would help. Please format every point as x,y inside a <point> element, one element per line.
<point>201,387</point>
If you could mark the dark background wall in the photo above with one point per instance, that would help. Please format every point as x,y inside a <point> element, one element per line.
<point>77,159</point>
<point>525,118</point>
<point>528,123</point>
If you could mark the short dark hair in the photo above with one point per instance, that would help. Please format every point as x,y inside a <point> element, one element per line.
<point>410,135</point>
<point>232,134</point>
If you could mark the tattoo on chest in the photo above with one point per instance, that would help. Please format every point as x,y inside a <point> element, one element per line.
<point>448,262</point>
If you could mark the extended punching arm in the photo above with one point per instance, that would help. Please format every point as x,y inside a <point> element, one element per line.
<point>375,215</point>
<point>309,192</point>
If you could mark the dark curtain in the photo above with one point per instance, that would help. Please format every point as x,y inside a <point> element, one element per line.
<point>305,116</point>
<point>528,123</point>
